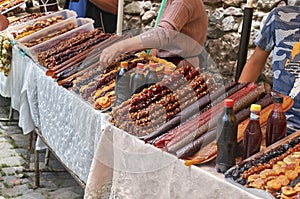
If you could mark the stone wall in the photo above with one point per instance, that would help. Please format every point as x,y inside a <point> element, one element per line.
<point>225,21</point>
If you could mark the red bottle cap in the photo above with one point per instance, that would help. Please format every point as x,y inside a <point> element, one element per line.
<point>140,65</point>
<point>228,102</point>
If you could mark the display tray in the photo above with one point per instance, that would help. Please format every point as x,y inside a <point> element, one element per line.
<point>264,166</point>
<point>18,20</point>
<point>13,7</point>
<point>67,15</point>
<point>82,25</point>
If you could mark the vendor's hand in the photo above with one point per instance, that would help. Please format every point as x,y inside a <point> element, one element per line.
<point>154,52</point>
<point>109,54</point>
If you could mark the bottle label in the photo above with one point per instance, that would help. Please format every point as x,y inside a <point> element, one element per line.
<point>254,116</point>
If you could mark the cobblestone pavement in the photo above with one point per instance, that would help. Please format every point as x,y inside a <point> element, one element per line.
<point>15,181</point>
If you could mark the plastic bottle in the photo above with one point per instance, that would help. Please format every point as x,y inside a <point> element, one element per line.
<point>122,88</point>
<point>226,137</point>
<point>151,77</point>
<point>252,134</point>
<point>276,124</point>
<point>167,72</point>
<point>138,81</point>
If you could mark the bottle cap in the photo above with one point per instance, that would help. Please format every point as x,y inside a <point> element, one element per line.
<point>124,64</point>
<point>277,99</point>
<point>228,102</point>
<point>153,65</point>
<point>255,107</point>
<point>140,65</point>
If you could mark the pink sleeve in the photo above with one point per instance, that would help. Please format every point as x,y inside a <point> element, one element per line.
<point>176,17</point>
<point>170,24</point>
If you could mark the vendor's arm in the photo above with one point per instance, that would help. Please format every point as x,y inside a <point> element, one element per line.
<point>254,66</point>
<point>154,38</point>
<point>168,28</point>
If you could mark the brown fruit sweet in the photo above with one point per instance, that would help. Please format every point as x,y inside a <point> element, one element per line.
<point>297,187</point>
<point>3,22</point>
<point>267,172</point>
<point>258,183</point>
<point>274,185</point>
<point>297,169</point>
<point>291,174</point>
<point>253,177</point>
<point>288,191</point>
<point>283,180</point>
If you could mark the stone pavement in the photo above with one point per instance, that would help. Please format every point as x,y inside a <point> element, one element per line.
<point>15,181</point>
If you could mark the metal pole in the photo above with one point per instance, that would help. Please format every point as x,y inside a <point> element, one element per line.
<point>245,37</point>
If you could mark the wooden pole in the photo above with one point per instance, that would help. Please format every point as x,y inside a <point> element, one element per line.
<point>250,3</point>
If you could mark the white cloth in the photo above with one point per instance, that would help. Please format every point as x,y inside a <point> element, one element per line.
<point>128,168</point>
<point>21,67</point>
<point>5,84</point>
<point>70,125</point>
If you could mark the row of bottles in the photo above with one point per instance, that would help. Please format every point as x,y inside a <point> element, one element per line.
<point>127,85</point>
<point>227,132</point>
<point>139,81</point>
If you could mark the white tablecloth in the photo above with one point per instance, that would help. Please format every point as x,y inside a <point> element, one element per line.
<point>70,126</point>
<point>15,86</point>
<point>5,85</point>
<point>129,168</point>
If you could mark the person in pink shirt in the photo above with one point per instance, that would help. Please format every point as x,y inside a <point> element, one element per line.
<point>181,32</point>
<point>3,22</point>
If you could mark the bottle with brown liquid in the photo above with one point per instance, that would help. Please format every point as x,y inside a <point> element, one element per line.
<point>276,124</point>
<point>167,72</point>
<point>138,81</point>
<point>226,138</point>
<point>151,77</point>
<point>252,134</point>
<point>122,88</point>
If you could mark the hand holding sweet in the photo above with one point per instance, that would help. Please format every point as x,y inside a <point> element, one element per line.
<point>110,53</point>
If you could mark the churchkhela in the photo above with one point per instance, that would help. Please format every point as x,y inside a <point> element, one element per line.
<point>159,103</point>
